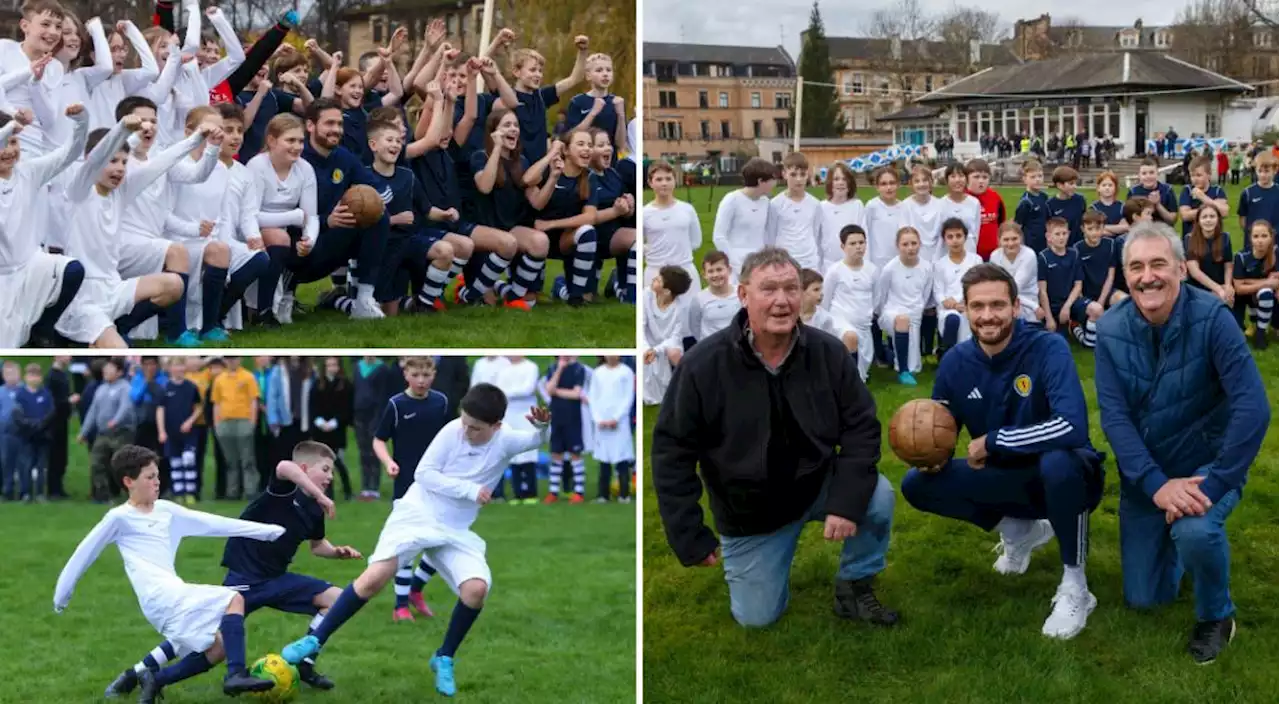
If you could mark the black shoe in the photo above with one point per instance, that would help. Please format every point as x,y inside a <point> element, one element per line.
<point>577,302</point>
<point>125,683</point>
<point>329,300</point>
<point>1259,338</point>
<point>856,600</point>
<point>150,688</point>
<point>267,320</point>
<point>307,673</point>
<point>242,681</point>
<point>300,308</point>
<point>1208,639</point>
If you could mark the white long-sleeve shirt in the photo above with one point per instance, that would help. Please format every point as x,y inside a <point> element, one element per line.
<point>487,369</point>
<point>195,202</point>
<point>671,234</point>
<point>882,224</point>
<point>77,85</point>
<point>709,313</point>
<point>610,392</point>
<point>131,81</point>
<point>1026,273</point>
<point>927,218</point>
<point>741,227</point>
<point>665,329</point>
<point>149,215</point>
<point>797,228</point>
<point>95,222</point>
<point>26,190</point>
<point>850,294</point>
<point>13,60</point>
<point>238,219</point>
<point>947,274</point>
<point>290,202</point>
<point>148,542</point>
<point>904,289</point>
<point>219,71</point>
<point>519,381</point>
<point>968,211</point>
<point>835,217</point>
<point>452,470</point>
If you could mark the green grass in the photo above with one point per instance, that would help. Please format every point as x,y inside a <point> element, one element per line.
<point>559,625</point>
<point>968,634</point>
<point>551,324</point>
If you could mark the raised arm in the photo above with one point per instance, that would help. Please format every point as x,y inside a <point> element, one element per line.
<point>579,72</point>
<point>227,65</point>
<point>86,553</point>
<point>101,69</point>
<point>46,167</point>
<point>470,109</point>
<point>198,524</point>
<point>291,472</point>
<point>138,178</point>
<point>159,91</point>
<point>191,40</point>
<point>136,80</point>
<point>197,171</point>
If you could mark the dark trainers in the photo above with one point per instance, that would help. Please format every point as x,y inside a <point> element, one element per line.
<point>1260,338</point>
<point>307,673</point>
<point>1209,638</point>
<point>856,600</point>
<point>149,693</point>
<point>125,683</point>
<point>241,682</point>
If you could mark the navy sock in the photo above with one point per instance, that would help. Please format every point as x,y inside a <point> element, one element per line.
<point>153,663</point>
<point>421,575</point>
<point>463,617</point>
<point>902,347</point>
<point>928,328</point>
<point>72,278</point>
<point>195,663</point>
<point>271,278</point>
<point>348,603</point>
<point>142,311</point>
<point>877,342</point>
<point>241,280</point>
<point>404,578</point>
<point>624,479</point>
<point>174,317</point>
<point>951,331</point>
<point>233,641</point>
<point>214,281</point>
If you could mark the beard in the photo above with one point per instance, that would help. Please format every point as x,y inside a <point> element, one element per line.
<point>1001,334</point>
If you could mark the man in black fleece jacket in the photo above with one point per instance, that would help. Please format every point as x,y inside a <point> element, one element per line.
<point>785,432</point>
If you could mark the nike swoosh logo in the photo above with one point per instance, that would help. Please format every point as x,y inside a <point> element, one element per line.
<point>409,416</point>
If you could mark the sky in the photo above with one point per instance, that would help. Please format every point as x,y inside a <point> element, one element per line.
<point>692,23</point>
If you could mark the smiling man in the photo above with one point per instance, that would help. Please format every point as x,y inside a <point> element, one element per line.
<point>777,417</point>
<point>1185,411</point>
<point>1029,471</point>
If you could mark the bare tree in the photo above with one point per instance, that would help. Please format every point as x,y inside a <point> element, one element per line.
<point>961,26</point>
<point>906,20</point>
<point>1216,34</point>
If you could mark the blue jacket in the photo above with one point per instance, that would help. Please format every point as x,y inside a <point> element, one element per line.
<point>1179,400</point>
<point>1026,400</point>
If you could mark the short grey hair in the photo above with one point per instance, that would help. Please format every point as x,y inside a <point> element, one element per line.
<point>769,256</point>
<point>1154,231</point>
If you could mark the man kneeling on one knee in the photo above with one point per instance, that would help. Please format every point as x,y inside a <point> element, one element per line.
<point>761,406</point>
<point>1030,471</point>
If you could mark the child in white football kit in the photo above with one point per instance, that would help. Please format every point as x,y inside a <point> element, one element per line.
<point>906,284</point>
<point>796,217</point>
<point>960,205</point>
<point>713,308</point>
<point>611,391</point>
<point>811,311</point>
<point>672,232</point>
<point>742,219</point>
<point>666,316</point>
<point>840,209</point>
<point>194,618</point>
<point>849,294</point>
<point>454,479</point>
<point>1021,263</point>
<point>925,215</point>
<point>884,216</point>
<point>948,290</point>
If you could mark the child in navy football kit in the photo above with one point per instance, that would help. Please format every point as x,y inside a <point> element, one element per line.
<point>176,416</point>
<point>534,98</point>
<point>1060,280</point>
<point>1158,192</point>
<point>1068,204</point>
<point>1256,280</point>
<point>598,107</point>
<point>1199,193</point>
<point>565,207</point>
<point>1261,200</point>
<point>1096,255</point>
<point>566,383</point>
<point>1033,207</point>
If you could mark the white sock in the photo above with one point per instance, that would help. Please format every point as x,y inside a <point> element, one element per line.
<point>364,292</point>
<point>1014,529</point>
<point>1074,577</point>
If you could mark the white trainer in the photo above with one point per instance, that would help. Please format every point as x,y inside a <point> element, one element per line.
<point>366,309</point>
<point>1071,608</point>
<point>1015,555</point>
<point>284,309</point>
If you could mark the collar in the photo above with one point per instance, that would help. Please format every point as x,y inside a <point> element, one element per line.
<point>746,342</point>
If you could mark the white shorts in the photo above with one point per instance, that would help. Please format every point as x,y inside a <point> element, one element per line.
<point>964,332</point>
<point>96,308</point>
<point>140,256</point>
<point>190,615</point>
<point>28,291</point>
<point>862,331</point>
<point>913,335</point>
<point>458,555</point>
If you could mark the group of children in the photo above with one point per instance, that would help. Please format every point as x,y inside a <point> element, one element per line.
<point>203,199</point>
<point>26,419</point>
<point>893,267</point>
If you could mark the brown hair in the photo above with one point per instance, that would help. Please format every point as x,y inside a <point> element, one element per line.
<point>1150,161</point>
<point>384,114</point>
<point>231,112</point>
<point>584,178</point>
<point>1134,207</point>
<point>978,166</point>
<point>1009,226</point>
<point>1065,174</point>
<point>849,231</point>
<point>129,461</point>
<point>1198,244</point>
<point>1108,176</point>
<point>509,164</point>
<point>1200,162</point>
<point>880,172</point>
<point>1270,262</point>
<point>659,166</point>
<point>36,7</point>
<point>715,256</point>
<point>796,160</point>
<point>809,277</point>
<point>1031,166</point>
<point>675,279</point>
<point>905,229</point>
<point>1093,217</point>
<point>425,364</point>
<point>34,368</point>
<point>309,451</point>
<point>843,169</point>
<point>757,170</point>
<point>86,42</point>
<point>1056,222</point>
<point>987,272</point>
<point>922,170</point>
<point>198,114</point>
<point>282,123</point>
<point>1264,158</point>
<point>520,56</point>
<point>377,126</point>
<point>287,62</point>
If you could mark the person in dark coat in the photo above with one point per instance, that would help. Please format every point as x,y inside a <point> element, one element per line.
<point>332,401</point>
<point>58,381</point>
<point>453,378</point>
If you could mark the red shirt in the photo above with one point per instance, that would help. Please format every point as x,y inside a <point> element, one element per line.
<point>1222,162</point>
<point>220,93</point>
<point>992,217</point>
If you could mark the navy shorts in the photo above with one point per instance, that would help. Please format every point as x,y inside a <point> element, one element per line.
<point>438,229</point>
<point>291,593</point>
<point>566,438</point>
<point>1080,311</point>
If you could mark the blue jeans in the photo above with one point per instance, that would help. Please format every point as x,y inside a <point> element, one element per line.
<point>1153,555</point>
<point>758,567</point>
<point>10,458</point>
<point>31,458</point>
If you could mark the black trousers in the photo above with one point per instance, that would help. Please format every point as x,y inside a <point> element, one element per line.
<point>58,454</point>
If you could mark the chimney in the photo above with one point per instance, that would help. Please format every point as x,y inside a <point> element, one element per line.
<point>895,48</point>
<point>975,52</point>
<point>1137,24</point>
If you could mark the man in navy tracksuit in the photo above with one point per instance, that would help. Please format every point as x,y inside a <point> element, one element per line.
<point>1016,389</point>
<point>339,241</point>
<point>1185,411</point>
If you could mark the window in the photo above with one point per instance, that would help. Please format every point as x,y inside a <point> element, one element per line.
<point>1214,63</point>
<point>1129,40</point>
<point>705,129</point>
<point>757,128</point>
<point>726,130</point>
<point>755,100</point>
<point>861,121</point>
<point>777,157</point>
<point>782,126</point>
<point>451,24</point>
<point>1213,124</point>
<point>858,87</point>
<point>670,129</point>
<point>702,99</point>
<point>724,100</point>
<point>1163,39</point>
<point>666,99</point>
<point>1263,39</point>
<point>928,84</point>
<point>882,85</point>
<point>378,31</point>
<point>848,86</point>
<point>782,101</point>
<point>1260,65</point>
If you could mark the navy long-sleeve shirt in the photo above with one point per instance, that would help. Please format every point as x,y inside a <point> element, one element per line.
<point>1032,214</point>
<point>335,173</point>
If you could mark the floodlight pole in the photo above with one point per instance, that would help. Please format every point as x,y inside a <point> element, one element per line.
<point>795,142</point>
<point>486,36</point>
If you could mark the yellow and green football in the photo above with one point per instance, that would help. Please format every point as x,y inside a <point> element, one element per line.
<point>274,668</point>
